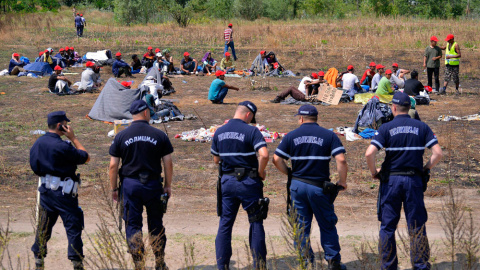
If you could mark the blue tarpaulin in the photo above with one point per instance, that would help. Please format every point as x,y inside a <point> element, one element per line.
<point>39,68</point>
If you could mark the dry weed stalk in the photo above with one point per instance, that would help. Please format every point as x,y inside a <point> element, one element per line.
<point>368,255</point>
<point>470,244</point>
<point>414,244</point>
<point>189,254</point>
<point>294,233</point>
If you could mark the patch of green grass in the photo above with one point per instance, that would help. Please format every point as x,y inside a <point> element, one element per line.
<point>17,235</point>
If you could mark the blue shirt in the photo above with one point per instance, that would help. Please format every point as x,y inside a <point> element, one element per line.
<point>141,148</point>
<point>215,88</point>
<point>117,65</point>
<point>236,143</point>
<point>310,148</point>
<point>52,155</point>
<point>13,64</point>
<point>404,140</point>
<point>78,21</point>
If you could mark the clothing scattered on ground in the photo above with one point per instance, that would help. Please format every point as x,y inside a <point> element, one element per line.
<point>292,101</point>
<point>372,115</point>
<point>447,118</point>
<point>365,97</point>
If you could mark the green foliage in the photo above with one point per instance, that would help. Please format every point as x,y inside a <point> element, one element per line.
<point>181,11</point>
<point>135,11</point>
<point>250,9</point>
<point>381,7</point>
<point>276,9</point>
<point>220,9</point>
<point>49,4</point>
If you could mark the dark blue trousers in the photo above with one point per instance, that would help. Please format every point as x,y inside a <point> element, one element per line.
<point>221,95</point>
<point>231,45</point>
<point>135,196</point>
<point>310,200</point>
<point>53,204</point>
<point>406,190</point>
<point>247,193</point>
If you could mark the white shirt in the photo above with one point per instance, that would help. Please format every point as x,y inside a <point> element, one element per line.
<point>301,86</point>
<point>153,89</point>
<point>87,79</point>
<point>375,80</point>
<point>397,81</point>
<point>349,81</point>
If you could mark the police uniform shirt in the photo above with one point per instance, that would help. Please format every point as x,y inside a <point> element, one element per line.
<point>236,143</point>
<point>141,147</point>
<point>310,148</point>
<point>52,155</point>
<point>404,140</point>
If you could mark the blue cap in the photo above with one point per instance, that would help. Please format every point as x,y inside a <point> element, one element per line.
<point>56,117</point>
<point>138,106</point>
<point>307,110</point>
<point>401,99</point>
<point>251,107</point>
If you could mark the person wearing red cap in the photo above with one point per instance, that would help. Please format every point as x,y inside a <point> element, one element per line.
<point>58,83</point>
<point>219,89</point>
<point>40,54</point>
<point>227,64</point>
<point>188,65</point>
<point>258,65</point>
<point>79,25</point>
<point>15,66</point>
<point>148,58</point>
<point>47,58</point>
<point>366,81</point>
<point>89,79</point>
<point>350,81</point>
<point>377,77</point>
<point>431,61</point>
<point>120,67</point>
<point>452,63</point>
<point>228,34</point>
<point>384,86</point>
<point>299,93</point>
<point>60,58</point>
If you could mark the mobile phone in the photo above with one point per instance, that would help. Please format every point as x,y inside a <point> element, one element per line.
<point>61,128</point>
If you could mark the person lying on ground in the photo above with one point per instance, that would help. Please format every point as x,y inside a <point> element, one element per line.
<point>366,81</point>
<point>89,79</point>
<point>413,86</point>
<point>188,65</point>
<point>167,57</point>
<point>384,86</point>
<point>258,65</point>
<point>209,64</point>
<point>148,58</point>
<point>299,93</point>
<point>219,89</point>
<point>58,83</point>
<point>227,64</point>
<point>399,72</point>
<point>272,63</point>
<point>350,81</point>
<point>120,67</point>
<point>136,64</point>
<point>47,58</point>
<point>377,77</point>
<point>15,66</point>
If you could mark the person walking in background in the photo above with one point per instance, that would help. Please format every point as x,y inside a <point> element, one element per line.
<point>79,24</point>
<point>228,34</point>
<point>452,63</point>
<point>84,23</point>
<point>431,61</point>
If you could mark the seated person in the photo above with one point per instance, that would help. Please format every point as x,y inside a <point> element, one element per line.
<point>258,65</point>
<point>396,82</point>
<point>60,58</point>
<point>400,73</point>
<point>47,58</point>
<point>168,58</point>
<point>15,66</point>
<point>148,58</point>
<point>350,81</point>
<point>89,79</point>
<point>366,81</point>
<point>377,77</point>
<point>227,64</point>
<point>40,55</point>
<point>155,89</point>
<point>299,93</point>
<point>384,86</point>
<point>161,64</point>
<point>69,56</point>
<point>76,57</point>
<point>120,67</point>
<point>218,89</point>
<point>188,65</point>
<point>209,64</point>
<point>58,83</point>
<point>136,64</point>
<point>413,87</point>
<point>413,112</point>
<point>272,63</point>
<point>96,76</point>
<point>157,50</point>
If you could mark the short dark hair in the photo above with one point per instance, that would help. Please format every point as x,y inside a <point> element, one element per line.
<point>52,126</point>
<point>414,74</point>
<point>134,56</point>
<point>312,118</point>
<point>402,109</point>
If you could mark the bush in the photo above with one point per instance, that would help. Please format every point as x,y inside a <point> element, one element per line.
<point>276,9</point>
<point>220,9</point>
<point>250,9</point>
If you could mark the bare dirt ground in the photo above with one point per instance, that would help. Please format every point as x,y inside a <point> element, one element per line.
<point>191,216</point>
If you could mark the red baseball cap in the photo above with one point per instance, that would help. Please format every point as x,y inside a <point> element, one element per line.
<point>394,65</point>
<point>66,48</point>
<point>71,49</point>
<point>126,84</point>
<point>227,54</point>
<point>78,13</point>
<point>149,48</point>
<point>118,54</point>
<point>230,25</point>
<point>81,14</point>
<point>372,64</point>
<point>219,73</point>
<point>433,38</point>
<point>58,68</point>
<point>61,50</point>
<point>350,67</point>
<point>262,52</point>
<point>157,50</point>
<point>89,64</point>
<point>186,54</point>
<point>449,37</point>
<point>16,54</point>
<point>321,73</point>
<point>314,75</point>
<point>388,71</point>
<point>379,66</point>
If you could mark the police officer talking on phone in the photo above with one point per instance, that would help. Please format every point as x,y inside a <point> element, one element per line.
<point>235,145</point>
<point>142,148</point>
<point>310,148</point>
<point>55,161</point>
<point>403,179</point>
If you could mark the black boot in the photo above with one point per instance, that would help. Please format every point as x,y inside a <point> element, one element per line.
<point>334,265</point>
<point>276,100</point>
<point>78,265</point>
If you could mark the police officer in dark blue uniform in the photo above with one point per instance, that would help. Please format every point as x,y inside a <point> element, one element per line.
<point>235,145</point>
<point>55,161</point>
<point>310,148</point>
<point>142,149</point>
<point>403,181</point>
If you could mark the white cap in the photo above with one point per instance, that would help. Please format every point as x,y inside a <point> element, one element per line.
<point>159,55</point>
<point>50,49</point>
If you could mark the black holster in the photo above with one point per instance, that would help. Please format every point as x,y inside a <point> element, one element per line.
<point>164,199</point>
<point>259,211</point>
<point>241,173</point>
<point>425,179</point>
<point>383,176</point>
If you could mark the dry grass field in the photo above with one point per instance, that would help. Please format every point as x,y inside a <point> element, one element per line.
<point>302,47</point>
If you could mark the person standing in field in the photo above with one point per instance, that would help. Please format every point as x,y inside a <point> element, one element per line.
<point>84,23</point>
<point>431,61</point>
<point>452,63</point>
<point>228,34</point>
<point>79,24</point>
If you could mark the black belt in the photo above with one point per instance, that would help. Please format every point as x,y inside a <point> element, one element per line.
<point>320,184</point>
<point>406,173</point>
<point>240,173</point>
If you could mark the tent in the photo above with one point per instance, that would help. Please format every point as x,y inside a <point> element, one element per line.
<point>39,68</point>
<point>114,102</point>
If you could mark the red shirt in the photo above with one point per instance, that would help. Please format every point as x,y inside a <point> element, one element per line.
<point>365,75</point>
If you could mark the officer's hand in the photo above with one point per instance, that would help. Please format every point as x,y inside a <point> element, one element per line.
<point>342,184</point>
<point>115,196</point>
<point>262,174</point>
<point>168,190</point>
<point>69,132</point>
<point>376,175</point>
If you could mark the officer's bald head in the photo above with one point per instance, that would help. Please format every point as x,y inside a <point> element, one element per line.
<point>401,109</point>
<point>242,109</point>
<point>243,113</point>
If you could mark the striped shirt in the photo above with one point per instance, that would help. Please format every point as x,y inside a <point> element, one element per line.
<point>228,34</point>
